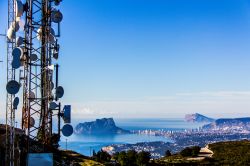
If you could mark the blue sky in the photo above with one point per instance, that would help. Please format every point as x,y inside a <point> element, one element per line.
<point>153,58</point>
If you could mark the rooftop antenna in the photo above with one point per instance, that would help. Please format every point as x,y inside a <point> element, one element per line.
<point>32,69</point>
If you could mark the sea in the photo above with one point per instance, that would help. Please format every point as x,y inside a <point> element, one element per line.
<point>85,144</point>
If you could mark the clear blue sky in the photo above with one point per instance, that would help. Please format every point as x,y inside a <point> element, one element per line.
<point>153,58</point>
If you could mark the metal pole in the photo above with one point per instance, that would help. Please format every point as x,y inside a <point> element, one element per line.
<point>66,144</point>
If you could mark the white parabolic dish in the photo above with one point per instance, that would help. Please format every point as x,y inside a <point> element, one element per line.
<point>19,41</point>
<point>19,8</point>
<point>11,33</point>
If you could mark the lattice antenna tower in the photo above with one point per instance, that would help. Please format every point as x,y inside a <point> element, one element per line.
<point>35,56</point>
<point>10,114</point>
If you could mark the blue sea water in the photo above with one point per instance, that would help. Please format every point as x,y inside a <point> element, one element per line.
<point>85,144</point>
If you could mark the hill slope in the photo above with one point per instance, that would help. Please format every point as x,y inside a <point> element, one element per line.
<point>231,153</point>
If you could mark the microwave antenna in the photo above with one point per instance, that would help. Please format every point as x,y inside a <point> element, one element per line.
<point>32,67</point>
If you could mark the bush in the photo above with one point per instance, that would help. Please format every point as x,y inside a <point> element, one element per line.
<point>190,151</point>
<point>168,153</point>
<point>143,158</point>
<point>132,158</point>
<point>101,156</point>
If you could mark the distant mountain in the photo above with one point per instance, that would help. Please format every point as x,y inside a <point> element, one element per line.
<point>100,126</point>
<point>236,124</point>
<point>197,118</point>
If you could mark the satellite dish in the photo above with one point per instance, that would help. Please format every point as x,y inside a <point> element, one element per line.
<point>51,35</point>
<point>51,85</point>
<point>15,102</point>
<point>11,34</point>
<point>16,63</point>
<point>51,67</point>
<point>57,2</point>
<point>19,8</point>
<point>15,25</point>
<point>56,16</point>
<point>52,31</point>
<point>55,51</point>
<point>33,57</point>
<point>52,105</point>
<point>67,130</point>
<point>12,87</point>
<point>32,122</point>
<point>55,54</point>
<point>19,41</point>
<point>52,39</point>
<point>59,92</point>
<point>67,114</point>
<point>17,52</point>
<point>32,96</point>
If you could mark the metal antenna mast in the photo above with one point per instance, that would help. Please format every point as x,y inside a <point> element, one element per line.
<point>40,41</point>
<point>10,114</point>
<point>34,54</point>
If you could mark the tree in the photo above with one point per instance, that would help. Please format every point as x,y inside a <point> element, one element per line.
<point>102,156</point>
<point>186,152</point>
<point>190,151</point>
<point>131,156</point>
<point>115,156</point>
<point>93,153</point>
<point>143,158</point>
<point>195,150</point>
<point>168,153</point>
<point>122,159</point>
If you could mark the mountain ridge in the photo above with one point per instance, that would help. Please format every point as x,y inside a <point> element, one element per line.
<point>229,124</point>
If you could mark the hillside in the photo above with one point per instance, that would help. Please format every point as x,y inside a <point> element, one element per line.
<point>232,153</point>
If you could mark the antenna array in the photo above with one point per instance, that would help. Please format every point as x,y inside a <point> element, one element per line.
<point>32,66</point>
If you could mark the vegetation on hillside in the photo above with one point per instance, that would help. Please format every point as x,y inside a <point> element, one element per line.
<point>129,158</point>
<point>232,153</point>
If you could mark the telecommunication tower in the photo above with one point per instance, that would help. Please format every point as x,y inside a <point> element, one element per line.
<point>32,54</point>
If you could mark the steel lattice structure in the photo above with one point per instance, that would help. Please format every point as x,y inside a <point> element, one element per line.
<point>10,113</point>
<point>37,52</point>
<point>36,74</point>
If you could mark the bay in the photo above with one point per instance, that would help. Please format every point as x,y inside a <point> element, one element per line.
<point>85,144</point>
